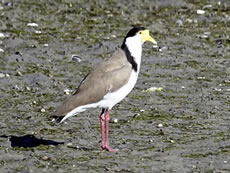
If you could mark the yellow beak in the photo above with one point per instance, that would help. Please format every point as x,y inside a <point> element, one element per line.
<point>146,36</point>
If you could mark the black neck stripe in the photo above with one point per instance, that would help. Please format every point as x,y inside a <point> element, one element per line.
<point>130,58</point>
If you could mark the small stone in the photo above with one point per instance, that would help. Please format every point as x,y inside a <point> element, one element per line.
<point>69,144</point>
<point>43,110</point>
<point>152,89</point>
<point>76,58</point>
<point>201,77</point>
<point>204,36</point>
<point>195,21</point>
<point>179,22</point>
<point>28,88</point>
<point>38,32</point>
<point>1,50</point>
<point>46,45</point>
<point>160,125</point>
<point>189,20</point>
<point>7,75</point>
<point>2,75</point>
<point>142,110</point>
<point>217,89</point>
<point>155,46</point>
<point>162,48</point>
<point>115,120</point>
<point>207,33</point>
<point>207,6</point>
<point>2,35</point>
<point>32,24</point>
<point>172,141</point>
<point>68,91</point>
<point>45,158</point>
<point>225,161</point>
<point>200,12</point>
<point>182,87</point>
<point>19,73</point>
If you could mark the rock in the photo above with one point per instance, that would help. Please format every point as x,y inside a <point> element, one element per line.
<point>2,75</point>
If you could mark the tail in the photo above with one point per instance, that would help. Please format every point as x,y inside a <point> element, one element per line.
<point>60,119</point>
<point>57,119</point>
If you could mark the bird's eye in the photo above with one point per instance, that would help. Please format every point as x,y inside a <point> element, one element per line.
<point>140,32</point>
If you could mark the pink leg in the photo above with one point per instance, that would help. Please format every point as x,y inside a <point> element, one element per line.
<point>102,120</point>
<point>106,146</point>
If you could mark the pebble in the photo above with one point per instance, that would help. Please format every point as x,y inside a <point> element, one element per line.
<point>179,22</point>
<point>207,6</point>
<point>194,166</point>
<point>205,35</point>
<point>160,125</point>
<point>18,73</point>
<point>68,91</point>
<point>152,89</point>
<point>189,20</point>
<point>201,77</point>
<point>69,144</point>
<point>115,120</point>
<point>200,12</point>
<point>43,110</point>
<point>2,35</point>
<point>32,24</point>
<point>2,75</point>
<point>163,48</point>
<point>45,158</point>
<point>217,89</point>
<point>155,46</point>
<point>38,32</point>
<point>1,50</point>
<point>16,87</point>
<point>45,45</point>
<point>28,88</point>
<point>150,140</point>
<point>76,58</point>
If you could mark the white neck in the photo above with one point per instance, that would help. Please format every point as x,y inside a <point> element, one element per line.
<point>134,45</point>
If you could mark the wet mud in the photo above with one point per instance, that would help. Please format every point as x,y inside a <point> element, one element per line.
<point>47,47</point>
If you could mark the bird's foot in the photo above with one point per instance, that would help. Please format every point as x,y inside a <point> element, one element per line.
<point>106,147</point>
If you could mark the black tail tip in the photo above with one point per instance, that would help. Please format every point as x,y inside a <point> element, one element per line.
<point>57,119</point>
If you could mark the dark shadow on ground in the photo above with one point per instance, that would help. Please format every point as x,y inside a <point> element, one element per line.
<point>29,141</point>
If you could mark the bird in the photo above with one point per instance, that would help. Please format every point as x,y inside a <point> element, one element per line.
<point>108,83</point>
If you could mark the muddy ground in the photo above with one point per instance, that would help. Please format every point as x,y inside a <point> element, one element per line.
<point>183,128</point>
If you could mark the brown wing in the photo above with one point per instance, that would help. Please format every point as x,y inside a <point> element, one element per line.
<point>107,77</point>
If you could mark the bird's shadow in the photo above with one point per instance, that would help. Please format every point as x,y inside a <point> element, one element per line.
<point>29,141</point>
